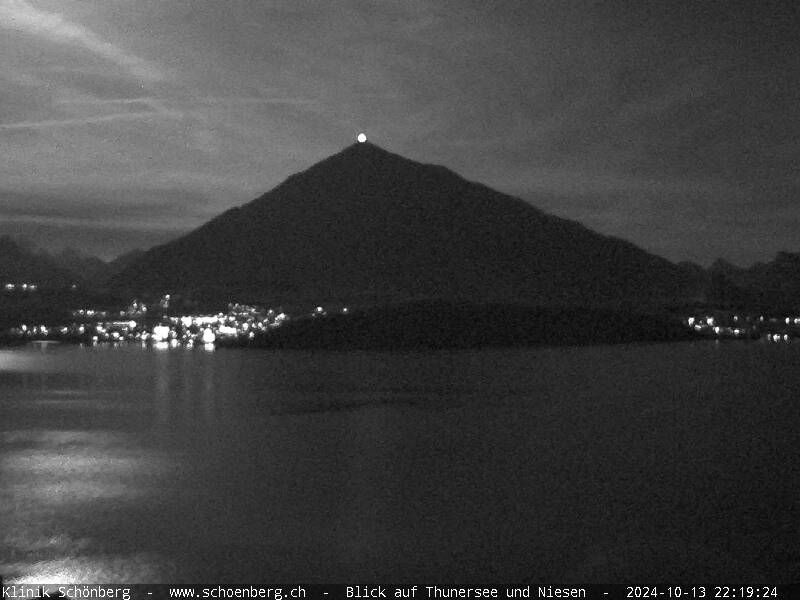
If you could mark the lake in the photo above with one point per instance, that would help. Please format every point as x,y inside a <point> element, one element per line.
<point>646,462</point>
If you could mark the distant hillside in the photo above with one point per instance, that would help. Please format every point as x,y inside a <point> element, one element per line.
<point>89,269</point>
<point>367,226</point>
<point>122,262</point>
<point>772,285</point>
<point>22,264</point>
<point>22,261</point>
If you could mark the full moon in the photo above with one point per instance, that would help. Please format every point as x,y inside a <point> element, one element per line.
<point>361,138</point>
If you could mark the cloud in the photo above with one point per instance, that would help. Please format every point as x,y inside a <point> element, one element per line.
<point>226,101</point>
<point>123,206</point>
<point>48,123</point>
<point>22,16</point>
<point>107,224</point>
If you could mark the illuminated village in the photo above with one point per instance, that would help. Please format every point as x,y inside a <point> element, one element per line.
<point>728,325</point>
<point>161,326</point>
<point>157,326</point>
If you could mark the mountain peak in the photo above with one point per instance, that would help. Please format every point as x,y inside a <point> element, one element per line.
<point>364,169</point>
<point>366,225</point>
<point>363,152</point>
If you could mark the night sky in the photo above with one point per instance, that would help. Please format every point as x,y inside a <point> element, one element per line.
<point>126,122</point>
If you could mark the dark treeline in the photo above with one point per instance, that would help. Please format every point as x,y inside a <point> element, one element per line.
<point>448,325</point>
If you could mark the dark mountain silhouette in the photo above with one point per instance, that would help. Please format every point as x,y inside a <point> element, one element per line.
<point>22,263</point>
<point>367,226</point>
<point>92,272</point>
<point>64,281</point>
<point>122,262</point>
<point>89,269</point>
<point>698,280</point>
<point>773,285</point>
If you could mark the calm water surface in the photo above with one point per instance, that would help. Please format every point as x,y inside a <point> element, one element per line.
<point>561,465</point>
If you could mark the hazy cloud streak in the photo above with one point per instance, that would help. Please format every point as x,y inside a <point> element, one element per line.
<point>132,116</point>
<point>21,15</point>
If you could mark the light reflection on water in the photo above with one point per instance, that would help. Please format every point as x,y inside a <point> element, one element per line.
<point>88,568</point>
<point>28,361</point>
<point>78,461</point>
<point>134,465</point>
